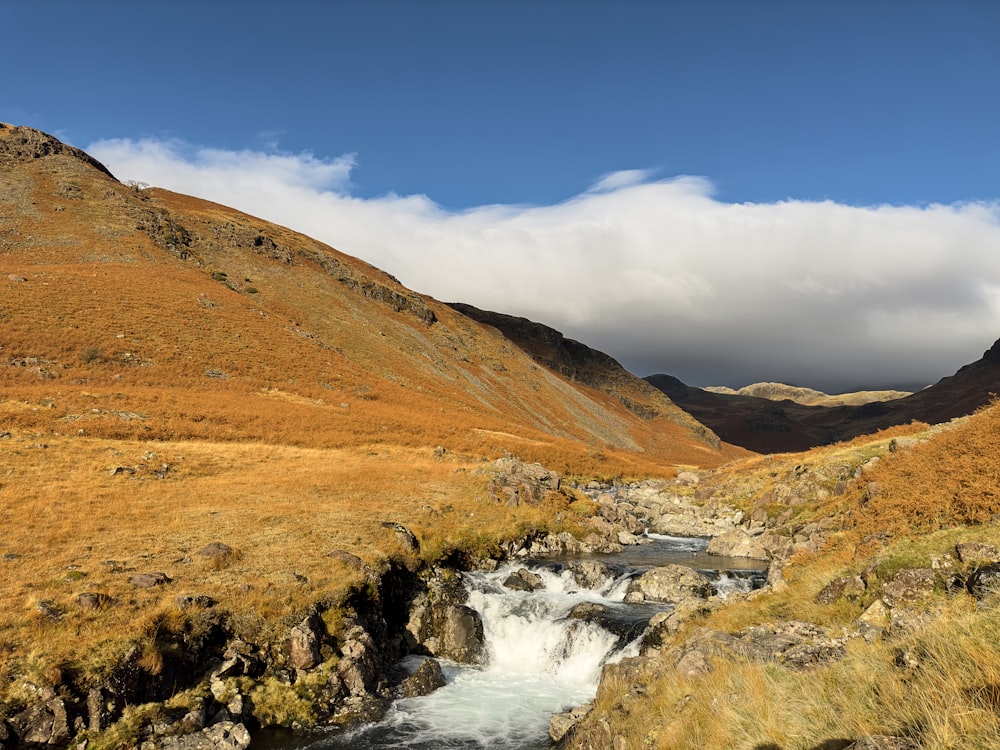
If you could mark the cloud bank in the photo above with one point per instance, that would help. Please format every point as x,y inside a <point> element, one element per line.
<point>655,272</point>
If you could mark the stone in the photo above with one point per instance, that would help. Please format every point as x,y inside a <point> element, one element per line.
<point>984,581</point>
<point>407,538</point>
<point>523,580</point>
<point>561,724</point>
<point>669,583</point>
<point>217,551</point>
<point>93,600</point>
<point>592,574</point>
<point>303,646</point>
<point>359,664</point>
<point>148,580</point>
<point>840,588</point>
<point>977,552</point>
<point>447,630</point>
<point>424,681</point>
<point>908,586</point>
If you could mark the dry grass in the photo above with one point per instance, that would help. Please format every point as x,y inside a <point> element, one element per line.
<point>72,525</point>
<point>938,685</point>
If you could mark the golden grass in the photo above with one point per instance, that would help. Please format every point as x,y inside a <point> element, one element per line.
<point>73,526</point>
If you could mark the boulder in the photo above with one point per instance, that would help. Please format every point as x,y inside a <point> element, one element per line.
<point>984,581</point>
<point>670,584</point>
<point>523,580</point>
<point>977,552</point>
<point>561,724</point>
<point>592,574</point>
<point>303,646</point>
<point>839,588</point>
<point>148,580</point>
<point>909,586</point>
<point>424,681</point>
<point>446,630</point>
<point>360,665</point>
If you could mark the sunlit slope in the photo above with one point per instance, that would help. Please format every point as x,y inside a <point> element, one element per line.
<point>144,313</point>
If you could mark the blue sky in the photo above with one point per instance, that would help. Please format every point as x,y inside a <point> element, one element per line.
<point>458,122</point>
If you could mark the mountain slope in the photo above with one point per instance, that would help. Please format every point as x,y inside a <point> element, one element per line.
<point>144,313</point>
<point>767,426</point>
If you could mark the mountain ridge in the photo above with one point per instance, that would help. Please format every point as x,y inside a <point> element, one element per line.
<point>152,291</point>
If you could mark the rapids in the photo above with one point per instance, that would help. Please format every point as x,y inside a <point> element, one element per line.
<point>542,660</point>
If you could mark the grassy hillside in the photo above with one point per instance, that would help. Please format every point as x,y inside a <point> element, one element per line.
<point>174,373</point>
<point>926,670</point>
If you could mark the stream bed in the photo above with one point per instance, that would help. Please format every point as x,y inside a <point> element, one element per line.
<point>545,649</point>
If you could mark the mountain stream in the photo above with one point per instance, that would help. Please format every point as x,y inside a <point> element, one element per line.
<point>546,649</point>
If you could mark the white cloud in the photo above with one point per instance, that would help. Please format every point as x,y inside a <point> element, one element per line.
<point>655,272</point>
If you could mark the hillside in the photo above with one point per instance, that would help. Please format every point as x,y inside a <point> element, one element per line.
<point>879,631</point>
<point>147,314</point>
<point>765,425</point>
<point>212,427</point>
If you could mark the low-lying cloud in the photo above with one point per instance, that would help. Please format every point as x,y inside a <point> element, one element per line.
<point>655,272</point>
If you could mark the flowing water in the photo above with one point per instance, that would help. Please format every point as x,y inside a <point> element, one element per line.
<point>541,661</point>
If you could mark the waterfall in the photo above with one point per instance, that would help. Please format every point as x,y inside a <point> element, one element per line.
<point>540,661</point>
<point>545,650</point>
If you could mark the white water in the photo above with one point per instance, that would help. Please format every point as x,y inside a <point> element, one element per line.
<point>539,663</point>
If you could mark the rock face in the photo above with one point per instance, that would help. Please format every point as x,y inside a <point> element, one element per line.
<point>670,584</point>
<point>514,482</point>
<point>441,625</point>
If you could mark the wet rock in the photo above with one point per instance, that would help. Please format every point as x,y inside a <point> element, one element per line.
<point>592,574</point>
<point>670,583</point>
<point>523,580</point>
<point>424,681</point>
<point>448,631</point>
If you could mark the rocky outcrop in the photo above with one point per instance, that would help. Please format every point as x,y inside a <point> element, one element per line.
<point>669,584</point>
<point>441,625</point>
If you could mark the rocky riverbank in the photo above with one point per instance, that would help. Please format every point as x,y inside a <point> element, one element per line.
<point>337,666</point>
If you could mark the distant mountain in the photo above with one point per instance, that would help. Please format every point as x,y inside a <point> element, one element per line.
<point>771,426</point>
<point>808,396</point>
<point>129,312</point>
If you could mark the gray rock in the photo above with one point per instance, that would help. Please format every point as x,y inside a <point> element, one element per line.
<point>303,646</point>
<point>446,630</point>
<point>359,665</point>
<point>561,724</point>
<point>838,588</point>
<point>909,586</point>
<point>148,580</point>
<point>670,583</point>
<point>523,580</point>
<point>424,681</point>
<point>977,552</point>
<point>984,581</point>
<point>222,736</point>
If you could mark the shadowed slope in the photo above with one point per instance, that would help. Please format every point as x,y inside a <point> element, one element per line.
<point>769,426</point>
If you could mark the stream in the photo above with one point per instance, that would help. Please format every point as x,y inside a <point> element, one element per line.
<point>546,649</point>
